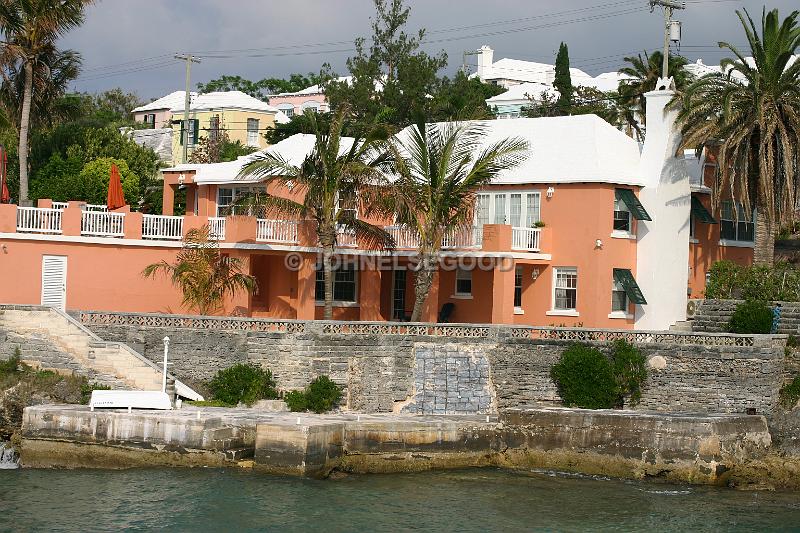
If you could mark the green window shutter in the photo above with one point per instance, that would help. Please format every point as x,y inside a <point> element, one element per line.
<point>633,204</point>
<point>699,212</point>
<point>182,131</point>
<point>196,131</point>
<point>624,277</point>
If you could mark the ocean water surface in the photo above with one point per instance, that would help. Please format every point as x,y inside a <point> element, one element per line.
<point>464,500</point>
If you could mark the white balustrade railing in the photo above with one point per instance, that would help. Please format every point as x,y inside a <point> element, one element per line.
<point>162,227</point>
<point>345,237</point>
<point>404,237</point>
<point>464,238</point>
<point>216,226</point>
<point>284,231</point>
<point>60,205</point>
<point>525,239</point>
<point>38,220</point>
<point>97,208</point>
<point>102,224</point>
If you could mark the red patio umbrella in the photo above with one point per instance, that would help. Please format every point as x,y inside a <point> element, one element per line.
<point>116,198</point>
<point>5,196</point>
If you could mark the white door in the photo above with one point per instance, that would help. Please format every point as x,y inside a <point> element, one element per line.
<point>54,281</point>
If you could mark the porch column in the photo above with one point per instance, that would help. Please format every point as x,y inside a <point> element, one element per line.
<point>168,199</point>
<point>503,291</point>
<point>239,303</point>
<point>306,285</point>
<point>369,294</point>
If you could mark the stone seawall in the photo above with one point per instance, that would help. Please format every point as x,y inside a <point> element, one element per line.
<point>454,369</point>
<point>712,316</point>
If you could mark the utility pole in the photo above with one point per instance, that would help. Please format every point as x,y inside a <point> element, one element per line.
<point>464,66</point>
<point>189,60</point>
<point>669,6</point>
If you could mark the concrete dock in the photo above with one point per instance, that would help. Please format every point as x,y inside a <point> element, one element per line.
<point>695,448</point>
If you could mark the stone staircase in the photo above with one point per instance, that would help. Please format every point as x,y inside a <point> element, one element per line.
<point>712,316</point>
<point>65,344</point>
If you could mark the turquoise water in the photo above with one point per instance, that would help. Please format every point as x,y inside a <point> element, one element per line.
<point>465,500</point>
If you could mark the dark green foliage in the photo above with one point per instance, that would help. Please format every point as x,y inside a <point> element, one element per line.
<point>260,89</point>
<point>792,342</point>
<point>10,365</point>
<point>630,371</point>
<point>587,378</point>
<point>751,317</point>
<point>563,80</point>
<point>320,396</point>
<point>86,391</point>
<point>729,280</point>
<point>243,383</point>
<point>790,393</point>
<point>208,403</point>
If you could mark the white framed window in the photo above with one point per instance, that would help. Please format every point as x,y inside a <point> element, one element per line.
<point>345,284</point>
<point>227,198</point>
<point>733,225</point>
<point>252,132</point>
<point>518,288</point>
<point>622,217</point>
<point>287,109</point>
<point>619,298</point>
<point>463,282</point>
<point>347,202</point>
<point>519,209</point>
<point>565,288</point>
<point>311,105</point>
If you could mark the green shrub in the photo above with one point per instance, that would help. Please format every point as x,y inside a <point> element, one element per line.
<point>243,383</point>
<point>790,393</point>
<point>86,391</point>
<point>320,396</point>
<point>729,280</point>
<point>751,317</point>
<point>10,365</point>
<point>630,371</point>
<point>587,378</point>
<point>584,378</point>
<point>792,341</point>
<point>207,403</point>
<point>296,401</point>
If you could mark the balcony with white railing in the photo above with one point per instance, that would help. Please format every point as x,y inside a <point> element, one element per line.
<point>345,237</point>
<point>162,227</point>
<point>38,220</point>
<point>279,231</point>
<point>102,224</point>
<point>404,237</point>
<point>60,205</point>
<point>216,226</point>
<point>464,238</point>
<point>525,239</point>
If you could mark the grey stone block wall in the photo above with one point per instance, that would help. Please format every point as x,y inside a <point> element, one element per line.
<point>427,374</point>
<point>712,316</point>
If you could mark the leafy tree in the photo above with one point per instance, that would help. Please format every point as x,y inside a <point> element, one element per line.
<point>204,276</point>
<point>439,169</point>
<point>546,105</point>
<point>330,174</point>
<point>263,88</point>
<point>644,73</point>
<point>30,30</point>
<point>563,80</point>
<point>218,148</point>
<point>68,179</point>
<point>752,112</point>
<point>463,98</point>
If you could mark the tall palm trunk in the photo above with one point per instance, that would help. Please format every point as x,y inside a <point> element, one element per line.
<point>327,240</point>
<point>24,126</point>
<point>422,283</point>
<point>764,246</point>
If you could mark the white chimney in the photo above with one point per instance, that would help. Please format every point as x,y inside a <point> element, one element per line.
<point>662,252</point>
<point>485,60</point>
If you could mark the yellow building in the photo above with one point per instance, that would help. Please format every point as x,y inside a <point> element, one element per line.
<point>244,118</point>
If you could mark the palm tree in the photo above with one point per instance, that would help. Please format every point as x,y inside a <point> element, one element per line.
<point>752,111</point>
<point>30,29</point>
<point>202,273</point>
<point>332,179</point>
<point>644,73</point>
<point>439,168</point>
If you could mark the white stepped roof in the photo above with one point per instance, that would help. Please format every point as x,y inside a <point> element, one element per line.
<point>226,100</point>
<point>170,101</point>
<point>573,149</point>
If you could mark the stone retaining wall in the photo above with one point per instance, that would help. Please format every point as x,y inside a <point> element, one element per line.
<point>455,369</point>
<point>712,316</point>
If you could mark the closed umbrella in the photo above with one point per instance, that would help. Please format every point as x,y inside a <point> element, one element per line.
<point>116,198</point>
<point>5,196</point>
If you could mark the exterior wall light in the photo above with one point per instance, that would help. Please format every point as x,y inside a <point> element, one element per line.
<point>181,179</point>
<point>550,191</point>
<point>534,274</point>
<point>598,243</point>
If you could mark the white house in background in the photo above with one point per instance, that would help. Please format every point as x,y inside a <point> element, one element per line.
<point>311,98</point>
<point>158,113</point>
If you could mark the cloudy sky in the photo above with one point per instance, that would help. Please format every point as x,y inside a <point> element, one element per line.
<point>130,44</point>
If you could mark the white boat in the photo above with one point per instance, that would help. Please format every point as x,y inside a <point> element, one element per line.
<point>129,399</point>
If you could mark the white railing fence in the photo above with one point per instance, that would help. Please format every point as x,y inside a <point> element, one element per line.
<point>216,226</point>
<point>162,227</point>
<point>96,208</point>
<point>60,205</point>
<point>464,238</point>
<point>276,230</point>
<point>525,239</point>
<point>38,220</point>
<point>404,237</point>
<point>345,237</point>
<point>103,224</point>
